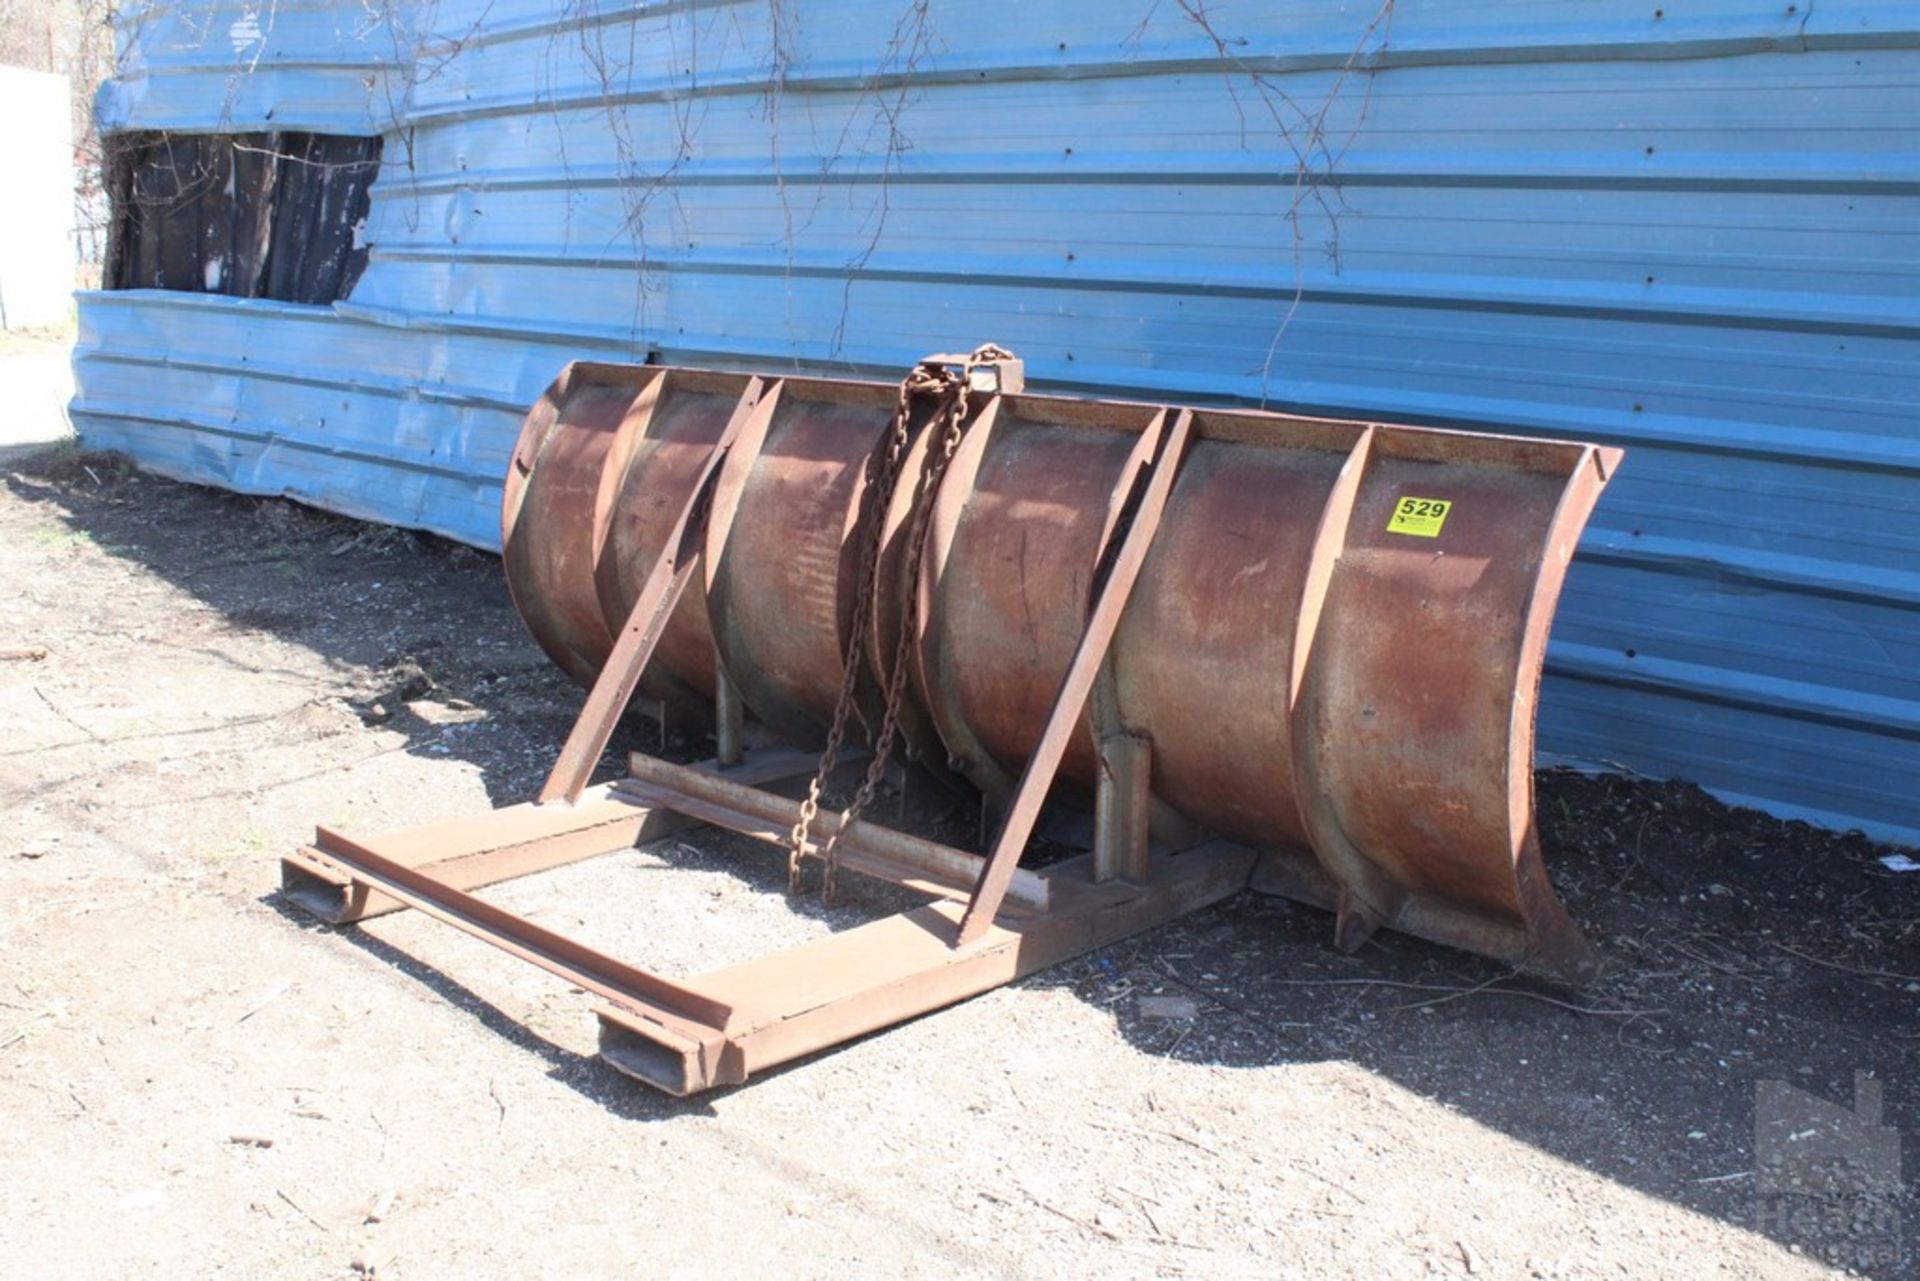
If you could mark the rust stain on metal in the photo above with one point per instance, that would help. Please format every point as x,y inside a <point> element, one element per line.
<point>1357,701</point>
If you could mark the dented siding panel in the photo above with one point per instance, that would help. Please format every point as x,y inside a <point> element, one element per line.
<point>217,68</point>
<point>1694,236</point>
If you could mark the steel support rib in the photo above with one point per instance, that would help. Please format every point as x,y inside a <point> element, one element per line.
<point>1110,599</point>
<point>1121,828</point>
<point>668,579</point>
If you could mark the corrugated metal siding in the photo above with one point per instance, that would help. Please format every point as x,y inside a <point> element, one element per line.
<point>1696,234</point>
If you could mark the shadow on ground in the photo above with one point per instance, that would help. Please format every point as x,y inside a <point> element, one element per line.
<point>419,629</point>
<point>1740,949</point>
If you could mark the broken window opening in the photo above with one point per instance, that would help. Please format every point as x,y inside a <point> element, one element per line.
<point>252,215</point>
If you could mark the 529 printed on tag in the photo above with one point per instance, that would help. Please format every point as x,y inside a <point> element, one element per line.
<point>1421,517</point>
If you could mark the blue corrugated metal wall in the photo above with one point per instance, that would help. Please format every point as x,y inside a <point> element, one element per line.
<point>1692,229</point>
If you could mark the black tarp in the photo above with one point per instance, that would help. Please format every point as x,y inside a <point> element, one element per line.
<point>254,215</point>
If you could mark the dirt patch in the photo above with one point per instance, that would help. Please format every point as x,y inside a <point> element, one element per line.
<point>198,1082</point>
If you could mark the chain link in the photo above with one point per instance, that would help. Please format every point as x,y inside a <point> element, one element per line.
<point>929,378</point>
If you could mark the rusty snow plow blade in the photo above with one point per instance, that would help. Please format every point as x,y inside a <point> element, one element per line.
<point>1247,647</point>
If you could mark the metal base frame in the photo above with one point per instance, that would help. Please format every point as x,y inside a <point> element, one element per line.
<point>684,1036</point>
<point>990,920</point>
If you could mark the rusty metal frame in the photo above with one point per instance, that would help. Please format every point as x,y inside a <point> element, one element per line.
<point>1342,821</point>
<point>686,1036</point>
<point>990,920</point>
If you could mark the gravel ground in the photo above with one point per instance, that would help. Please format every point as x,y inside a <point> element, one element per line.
<point>199,1082</point>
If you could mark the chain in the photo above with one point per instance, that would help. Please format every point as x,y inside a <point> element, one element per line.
<point>883,475</point>
<point>929,378</point>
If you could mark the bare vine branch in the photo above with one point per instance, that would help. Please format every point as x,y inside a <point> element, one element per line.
<point>1304,131</point>
<point>912,43</point>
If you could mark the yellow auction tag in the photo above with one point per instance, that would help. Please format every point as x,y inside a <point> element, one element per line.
<point>1421,517</point>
